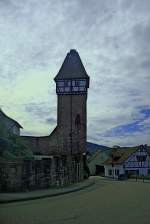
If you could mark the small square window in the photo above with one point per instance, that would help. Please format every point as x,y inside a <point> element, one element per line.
<point>67,83</point>
<point>60,83</point>
<point>61,89</point>
<point>73,83</point>
<point>75,88</point>
<point>82,89</point>
<point>67,89</point>
<point>82,83</point>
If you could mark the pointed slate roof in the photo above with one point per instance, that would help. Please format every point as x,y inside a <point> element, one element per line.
<point>72,67</point>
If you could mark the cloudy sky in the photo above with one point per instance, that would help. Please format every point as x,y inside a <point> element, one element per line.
<point>113,40</point>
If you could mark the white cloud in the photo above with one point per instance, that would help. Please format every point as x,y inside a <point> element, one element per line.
<point>112,38</point>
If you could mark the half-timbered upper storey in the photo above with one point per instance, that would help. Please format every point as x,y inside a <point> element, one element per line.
<point>139,159</point>
<point>72,77</point>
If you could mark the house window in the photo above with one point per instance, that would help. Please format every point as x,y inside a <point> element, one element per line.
<point>116,158</point>
<point>141,158</point>
<point>60,83</point>
<point>117,172</point>
<point>110,172</point>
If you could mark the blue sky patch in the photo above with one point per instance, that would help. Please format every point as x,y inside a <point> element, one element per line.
<point>123,130</point>
<point>146,112</point>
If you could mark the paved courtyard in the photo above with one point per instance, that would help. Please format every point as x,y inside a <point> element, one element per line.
<point>107,201</point>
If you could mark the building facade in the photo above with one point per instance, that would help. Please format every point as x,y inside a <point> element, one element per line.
<point>63,152</point>
<point>131,161</point>
<point>95,162</point>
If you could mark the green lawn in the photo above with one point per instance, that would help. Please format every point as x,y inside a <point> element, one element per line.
<point>106,202</point>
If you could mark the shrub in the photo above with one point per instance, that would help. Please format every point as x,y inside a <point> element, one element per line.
<point>8,155</point>
<point>134,176</point>
<point>14,148</point>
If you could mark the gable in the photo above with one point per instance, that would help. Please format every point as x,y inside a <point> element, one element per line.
<point>138,159</point>
<point>7,121</point>
<point>118,156</point>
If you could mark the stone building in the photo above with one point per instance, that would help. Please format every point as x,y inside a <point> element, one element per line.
<point>59,158</point>
<point>36,173</point>
<point>68,139</point>
<point>69,136</point>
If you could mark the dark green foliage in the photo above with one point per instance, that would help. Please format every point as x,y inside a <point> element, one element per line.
<point>133,176</point>
<point>3,131</point>
<point>11,146</point>
<point>5,144</point>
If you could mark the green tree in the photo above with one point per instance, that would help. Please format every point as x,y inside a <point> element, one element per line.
<point>11,146</point>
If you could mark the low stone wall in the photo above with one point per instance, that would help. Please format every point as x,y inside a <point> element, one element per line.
<point>39,173</point>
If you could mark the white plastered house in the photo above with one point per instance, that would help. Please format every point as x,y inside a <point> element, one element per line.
<point>124,161</point>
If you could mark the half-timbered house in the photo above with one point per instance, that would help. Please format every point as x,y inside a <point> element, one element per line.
<point>125,161</point>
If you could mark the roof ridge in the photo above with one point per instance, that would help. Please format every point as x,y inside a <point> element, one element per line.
<point>94,155</point>
<point>10,118</point>
<point>72,67</point>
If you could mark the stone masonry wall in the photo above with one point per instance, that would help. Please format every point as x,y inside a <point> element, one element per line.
<point>39,173</point>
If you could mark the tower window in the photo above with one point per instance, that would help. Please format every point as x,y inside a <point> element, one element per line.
<point>82,83</point>
<point>75,88</point>
<point>82,89</point>
<point>61,89</point>
<point>77,120</point>
<point>73,83</point>
<point>72,86</point>
<point>67,83</point>
<point>60,83</point>
<point>67,89</point>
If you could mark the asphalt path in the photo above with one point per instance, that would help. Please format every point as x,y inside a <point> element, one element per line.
<point>106,202</point>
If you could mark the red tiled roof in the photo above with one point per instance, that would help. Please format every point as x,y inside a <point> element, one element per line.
<point>118,156</point>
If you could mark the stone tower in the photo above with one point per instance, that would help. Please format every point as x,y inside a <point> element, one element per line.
<point>72,83</point>
<point>65,146</point>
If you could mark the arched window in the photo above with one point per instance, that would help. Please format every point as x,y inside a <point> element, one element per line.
<point>77,120</point>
